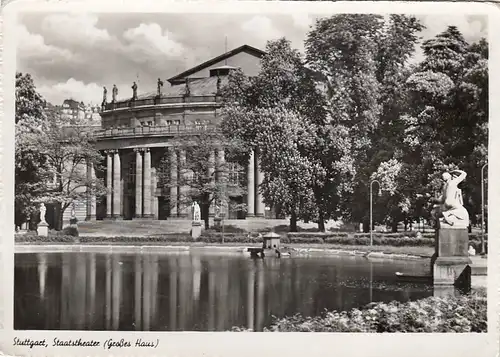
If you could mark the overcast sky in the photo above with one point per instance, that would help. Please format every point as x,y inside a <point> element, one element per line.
<point>75,55</point>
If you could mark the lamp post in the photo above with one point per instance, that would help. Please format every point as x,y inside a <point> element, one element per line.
<point>371,209</point>
<point>483,249</point>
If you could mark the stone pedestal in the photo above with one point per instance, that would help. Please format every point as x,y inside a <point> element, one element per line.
<point>196,229</point>
<point>451,262</point>
<point>43,229</point>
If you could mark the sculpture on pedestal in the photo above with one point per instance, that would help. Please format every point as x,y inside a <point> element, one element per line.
<point>450,262</point>
<point>196,212</point>
<point>43,227</point>
<point>449,209</point>
<point>43,210</point>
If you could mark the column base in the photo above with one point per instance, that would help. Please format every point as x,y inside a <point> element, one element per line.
<point>113,218</point>
<point>91,218</point>
<point>148,217</point>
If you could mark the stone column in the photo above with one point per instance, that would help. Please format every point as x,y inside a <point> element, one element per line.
<point>138,183</point>
<point>116,185</point>
<point>109,184</point>
<point>183,210</point>
<point>222,176</point>
<point>154,198</point>
<point>173,179</point>
<point>147,184</point>
<point>259,204</point>
<point>211,172</point>
<point>91,199</point>
<point>251,186</point>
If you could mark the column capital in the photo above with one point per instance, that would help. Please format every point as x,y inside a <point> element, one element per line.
<point>138,150</point>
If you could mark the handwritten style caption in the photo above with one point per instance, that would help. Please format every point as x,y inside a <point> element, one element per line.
<point>107,344</point>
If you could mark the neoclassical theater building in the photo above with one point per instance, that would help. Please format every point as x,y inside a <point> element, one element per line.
<point>138,132</point>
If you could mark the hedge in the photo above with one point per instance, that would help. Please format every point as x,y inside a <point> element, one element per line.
<point>211,236</point>
<point>462,314</point>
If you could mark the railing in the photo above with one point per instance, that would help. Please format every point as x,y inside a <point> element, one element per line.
<point>154,130</point>
<point>163,100</point>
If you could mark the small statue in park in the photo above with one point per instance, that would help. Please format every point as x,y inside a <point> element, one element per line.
<point>449,207</point>
<point>196,212</point>
<point>115,92</point>
<point>159,85</point>
<point>134,91</point>
<point>43,210</point>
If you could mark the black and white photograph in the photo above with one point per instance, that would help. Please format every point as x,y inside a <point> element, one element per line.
<point>250,172</point>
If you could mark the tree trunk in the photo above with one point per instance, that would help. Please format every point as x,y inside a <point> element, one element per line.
<point>321,221</point>
<point>206,218</point>
<point>293,222</point>
<point>58,213</point>
<point>394,226</point>
<point>366,226</point>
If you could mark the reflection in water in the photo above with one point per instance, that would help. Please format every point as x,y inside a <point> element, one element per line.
<point>202,292</point>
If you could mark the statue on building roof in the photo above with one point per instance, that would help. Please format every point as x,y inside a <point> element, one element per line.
<point>115,92</point>
<point>160,84</point>
<point>104,95</point>
<point>134,91</point>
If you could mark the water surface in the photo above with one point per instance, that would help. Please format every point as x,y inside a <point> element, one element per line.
<point>195,290</point>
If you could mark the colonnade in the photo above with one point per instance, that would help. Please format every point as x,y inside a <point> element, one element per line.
<point>146,204</point>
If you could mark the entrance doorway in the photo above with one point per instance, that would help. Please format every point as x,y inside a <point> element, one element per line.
<point>163,208</point>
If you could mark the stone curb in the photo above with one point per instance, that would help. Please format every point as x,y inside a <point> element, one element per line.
<point>26,248</point>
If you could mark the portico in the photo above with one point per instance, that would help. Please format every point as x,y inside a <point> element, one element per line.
<point>135,188</point>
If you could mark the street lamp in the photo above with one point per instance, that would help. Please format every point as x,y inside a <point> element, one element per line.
<point>483,249</point>
<point>371,209</point>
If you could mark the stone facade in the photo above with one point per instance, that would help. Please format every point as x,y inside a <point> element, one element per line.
<point>139,132</point>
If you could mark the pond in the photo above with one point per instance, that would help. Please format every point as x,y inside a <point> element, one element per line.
<point>195,291</point>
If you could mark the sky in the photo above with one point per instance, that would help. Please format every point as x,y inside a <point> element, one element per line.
<point>73,55</point>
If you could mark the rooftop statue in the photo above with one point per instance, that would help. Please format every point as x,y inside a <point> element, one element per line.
<point>449,207</point>
<point>134,91</point>
<point>104,95</point>
<point>160,84</point>
<point>115,92</point>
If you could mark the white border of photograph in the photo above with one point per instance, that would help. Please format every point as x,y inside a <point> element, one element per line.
<point>238,343</point>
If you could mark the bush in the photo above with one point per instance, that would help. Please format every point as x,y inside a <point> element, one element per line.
<point>70,231</point>
<point>454,314</point>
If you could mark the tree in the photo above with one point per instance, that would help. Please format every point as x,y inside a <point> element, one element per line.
<point>67,147</point>
<point>446,123</point>
<point>31,164</point>
<point>274,114</point>
<point>204,177</point>
<point>363,62</point>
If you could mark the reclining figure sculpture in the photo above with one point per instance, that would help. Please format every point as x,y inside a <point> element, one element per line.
<point>449,209</point>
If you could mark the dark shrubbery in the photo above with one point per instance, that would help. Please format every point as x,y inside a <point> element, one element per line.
<point>211,236</point>
<point>70,231</point>
<point>455,314</point>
